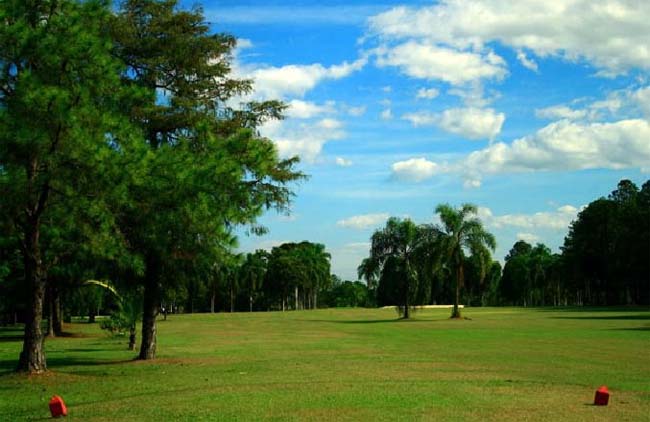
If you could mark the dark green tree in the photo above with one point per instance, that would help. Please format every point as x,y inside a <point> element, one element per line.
<point>208,170</point>
<point>397,253</point>
<point>61,135</point>
<point>463,232</point>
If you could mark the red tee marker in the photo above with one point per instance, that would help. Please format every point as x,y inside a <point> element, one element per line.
<point>57,407</point>
<point>602,396</point>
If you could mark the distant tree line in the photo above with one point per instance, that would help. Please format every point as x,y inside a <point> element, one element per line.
<point>605,260</point>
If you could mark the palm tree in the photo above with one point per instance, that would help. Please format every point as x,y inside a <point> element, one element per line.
<point>395,253</point>
<point>463,232</point>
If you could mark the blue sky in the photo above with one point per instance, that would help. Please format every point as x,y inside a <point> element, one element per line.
<point>528,109</point>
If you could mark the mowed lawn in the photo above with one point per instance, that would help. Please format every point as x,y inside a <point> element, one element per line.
<point>348,364</point>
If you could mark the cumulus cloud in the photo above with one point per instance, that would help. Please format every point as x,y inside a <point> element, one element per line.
<point>555,220</point>
<point>356,111</point>
<point>642,98</point>
<point>386,114</point>
<point>567,145</point>
<point>342,162</point>
<point>426,61</point>
<point>305,109</point>
<point>470,123</point>
<point>526,61</point>
<point>427,93</point>
<point>305,140</point>
<point>612,36</point>
<point>415,169</point>
<point>294,79</point>
<point>363,221</point>
<point>528,237</point>
<point>560,112</point>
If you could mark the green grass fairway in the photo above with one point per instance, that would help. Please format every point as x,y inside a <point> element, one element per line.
<point>348,364</point>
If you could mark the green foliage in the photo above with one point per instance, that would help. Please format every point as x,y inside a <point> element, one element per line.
<point>464,232</point>
<point>402,255</point>
<point>296,273</point>
<point>607,248</point>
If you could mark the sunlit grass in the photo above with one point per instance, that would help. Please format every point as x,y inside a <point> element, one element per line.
<point>354,364</point>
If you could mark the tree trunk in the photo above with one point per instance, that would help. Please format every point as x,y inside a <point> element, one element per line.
<point>212,300</point>
<point>250,303</point>
<point>232,299</point>
<point>32,357</point>
<point>295,305</point>
<point>50,311</point>
<point>132,334</point>
<point>150,311</point>
<point>315,299</point>
<point>459,276</point>
<point>56,312</point>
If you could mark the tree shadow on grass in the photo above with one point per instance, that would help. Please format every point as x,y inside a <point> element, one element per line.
<point>609,317</point>
<point>368,321</point>
<point>644,328</point>
<point>586,309</point>
<point>8,366</point>
<point>9,334</point>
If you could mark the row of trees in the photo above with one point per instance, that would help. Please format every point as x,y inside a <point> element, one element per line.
<point>409,262</point>
<point>605,260</point>
<point>122,154</point>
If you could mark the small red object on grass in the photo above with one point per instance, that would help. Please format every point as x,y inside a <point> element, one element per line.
<point>602,396</point>
<point>57,407</point>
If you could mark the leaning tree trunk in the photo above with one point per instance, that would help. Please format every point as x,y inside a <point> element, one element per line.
<point>32,357</point>
<point>150,311</point>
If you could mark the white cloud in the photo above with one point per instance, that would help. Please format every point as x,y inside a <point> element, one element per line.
<point>342,162</point>
<point>305,140</point>
<point>356,111</point>
<point>386,114</point>
<point>613,36</point>
<point>642,98</point>
<point>528,237</point>
<point>426,61</point>
<point>329,124</point>
<point>427,93</point>
<point>293,79</point>
<point>566,146</point>
<point>305,109</point>
<point>243,43</point>
<point>470,123</point>
<point>422,118</point>
<point>363,221</point>
<point>387,88</point>
<point>555,220</point>
<point>560,112</point>
<point>526,61</point>
<point>415,169</point>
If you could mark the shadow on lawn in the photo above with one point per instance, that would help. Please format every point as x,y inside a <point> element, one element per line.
<point>585,309</point>
<point>13,333</point>
<point>368,321</point>
<point>609,317</point>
